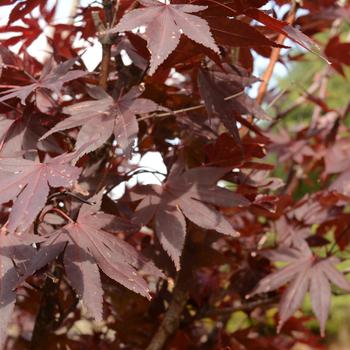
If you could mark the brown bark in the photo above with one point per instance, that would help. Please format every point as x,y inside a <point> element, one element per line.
<point>172,317</point>
<point>108,6</point>
<point>106,57</point>
<point>46,320</point>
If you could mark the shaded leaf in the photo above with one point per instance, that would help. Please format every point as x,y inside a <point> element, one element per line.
<point>52,78</point>
<point>186,193</point>
<point>13,249</point>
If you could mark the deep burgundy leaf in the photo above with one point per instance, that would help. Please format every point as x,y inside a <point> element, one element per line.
<point>243,221</point>
<point>216,104</point>
<point>22,9</point>
<point>338,53</point>
<point>224,97</point>
<point>185,194</point>
<point>286,29</point>
<point>234,33</point>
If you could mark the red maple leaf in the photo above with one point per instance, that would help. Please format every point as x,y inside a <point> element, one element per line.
<point>21,9</point>
<point>26,182</point>
<point>52,78</point>
<point>223,95</point>
<point>186,194</point>
<point>86,247</point>
<point>14,253</point>
<point>165,23</point>
<point>23,133</point>
<point>112,117</point>
<point>304,272</point>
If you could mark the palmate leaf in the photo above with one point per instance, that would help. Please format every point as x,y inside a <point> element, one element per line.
<point>86,247</point>
<point>112,117</point>
<point>215,86</point>
<point>52,78</point>
<point>164,25</point>
<point>21,9</point>
<point>234,33</point>
<point>5,125</point>
<point>190,194</point>
<point>250,9</point>
<point>23,133</point>
<point>14,250</point>
<point>337,162</point>
<point>27,183</point>
<point>304,272</point>
<point>286,29</point>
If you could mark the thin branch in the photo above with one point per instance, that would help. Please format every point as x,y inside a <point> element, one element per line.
<point>106,57</point>
<point>60,213</point>
<point>294,178</point>
<point>70,194</point>
<point>144,169</point>
<point>324,78</point>
<point>247,306</point>
<point>298,102</point>
<point>7,86</point>
<point>276,98</point>
<point>188,109</point>
<point>12,107</point>
<point>275,54</point>
<point>34,286</point>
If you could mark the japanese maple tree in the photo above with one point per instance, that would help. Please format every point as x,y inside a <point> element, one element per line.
<point>243,208</point>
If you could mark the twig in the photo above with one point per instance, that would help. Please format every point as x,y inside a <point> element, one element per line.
<point>298,102</point>
<point>144,169</point>
<point>70,194</point>
<point>324,78</point>
<point>275,54</point>
<point>247,306</point>
<point>294,178</point>
<point>276,98</point>
<point>188,109</point>
<point>59,212</point>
